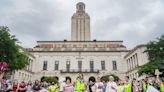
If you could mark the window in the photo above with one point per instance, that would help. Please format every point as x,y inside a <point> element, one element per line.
<point>28,67</point>
<point>135,63</point>
<point>19,74</point>
<point>80,7</point>
<point>91,65</point>
<point>68,65</point>
<point>80,65</point>
<point>130,64</point>
<point>114,65</point>
<point>31,65</point>
<point>103,65</point>
<point>56,65</point>
<point>45,65</point>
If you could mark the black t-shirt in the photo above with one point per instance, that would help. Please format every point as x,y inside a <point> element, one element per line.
<point>36,87</point>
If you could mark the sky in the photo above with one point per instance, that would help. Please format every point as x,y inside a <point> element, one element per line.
<point>133,21</point>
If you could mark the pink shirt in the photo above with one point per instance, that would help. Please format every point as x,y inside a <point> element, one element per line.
<point>68,88</point>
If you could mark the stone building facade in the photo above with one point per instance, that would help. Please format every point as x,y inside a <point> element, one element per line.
<point>70,58</point>
<point>135,58</point>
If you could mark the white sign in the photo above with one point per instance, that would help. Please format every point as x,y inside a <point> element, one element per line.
<point>151,89</point>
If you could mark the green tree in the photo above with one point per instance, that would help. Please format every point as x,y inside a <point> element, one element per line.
<point>155,51</point>
<point>106,78</point>
<point>10,51</point>
<point>49,79</point>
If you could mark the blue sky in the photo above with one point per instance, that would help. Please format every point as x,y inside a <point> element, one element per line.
<point>133,21</point>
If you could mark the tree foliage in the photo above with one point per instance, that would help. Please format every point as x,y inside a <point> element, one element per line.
<point>155,51</point>
<point>10,51</point>
<point>49,79</point>
<point>106,78</point>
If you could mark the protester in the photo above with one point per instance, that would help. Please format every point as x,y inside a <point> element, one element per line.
<point>22,87</point>
<point>120,87</point>
<point>54,87</point>
<point>145,84</point>
<point>9,86</point>
<point>29,86</point>
<point>44,86</point>
<point>91,85</point>
<point>4,84</point>
<point>127,85</point>
<point>111,85</point>
<point>62,83</point>
<point>80,84</point>
<point>99,85</point>
<point>68,87</point>
<point>162,85</point>
<point>15,86</point>
<point>140,87</point>
<point>105,84</point>
<point>134,85</point>
<point>36,87</point>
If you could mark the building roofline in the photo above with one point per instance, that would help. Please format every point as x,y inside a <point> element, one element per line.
<point>83,51</point>
<point>83,41</point>
<point>134,49</point>
<point>26,51</point>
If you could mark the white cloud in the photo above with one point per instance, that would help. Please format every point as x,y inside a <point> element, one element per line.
<point>134,21</point>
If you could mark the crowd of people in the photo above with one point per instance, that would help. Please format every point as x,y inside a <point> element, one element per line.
<point>81,85</point>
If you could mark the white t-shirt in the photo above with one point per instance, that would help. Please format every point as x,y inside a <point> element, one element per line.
<point>110,85</point>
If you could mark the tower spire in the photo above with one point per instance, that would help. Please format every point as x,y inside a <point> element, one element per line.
<point>80,29</point>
